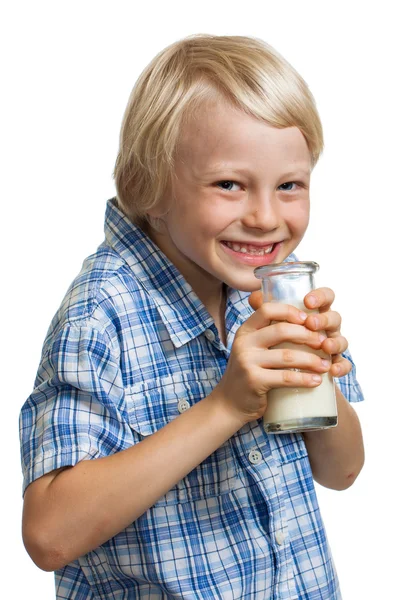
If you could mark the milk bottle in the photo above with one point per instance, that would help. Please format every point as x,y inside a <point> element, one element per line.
<point>296,409</point>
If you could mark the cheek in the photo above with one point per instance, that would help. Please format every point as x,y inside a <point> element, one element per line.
<point>207,221</point>
<point>298,218</point>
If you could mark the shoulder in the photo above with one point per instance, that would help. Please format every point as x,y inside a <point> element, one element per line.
<point>101,296</point>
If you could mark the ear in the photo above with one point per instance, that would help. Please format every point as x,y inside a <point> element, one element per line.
<point>156,216</point>
<point>157,211</point>
<point>160,209</point>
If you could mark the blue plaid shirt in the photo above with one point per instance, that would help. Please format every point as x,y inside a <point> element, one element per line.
<point>129,349</point>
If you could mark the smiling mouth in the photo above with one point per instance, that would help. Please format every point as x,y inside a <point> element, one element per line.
<point>252,249</point>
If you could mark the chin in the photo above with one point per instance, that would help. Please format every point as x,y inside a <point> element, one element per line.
<point>246,285</point>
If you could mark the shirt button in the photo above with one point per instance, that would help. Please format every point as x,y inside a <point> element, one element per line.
<point>280,537</point>
<point>210,335</point>
<point>183,405</point>
<point>255,457</point>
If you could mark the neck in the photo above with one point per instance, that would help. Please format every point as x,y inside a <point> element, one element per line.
<point>217,310</point>
<point>211,291</point>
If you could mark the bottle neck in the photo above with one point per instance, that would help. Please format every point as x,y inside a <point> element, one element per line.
<point>288,288</point>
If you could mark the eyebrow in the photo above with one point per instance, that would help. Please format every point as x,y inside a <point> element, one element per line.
<point>299,172</point>
<point>220,167</point>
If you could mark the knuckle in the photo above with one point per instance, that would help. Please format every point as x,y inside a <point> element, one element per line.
<point>237,343</point>
<point>337,318</point>
<point>313,322</point>
<point>327,294</point>
<point>338,345</point>
<point>267,310</point>
<point>346,366</point>
<point>283,330</point>
<point>331,346</point>
<point>244,360</point>
<point>288,356</point>
<point>251,380</point>
<point>315,364</point>
<point>312,336</point>
<point>343,341</point>
<point>292,313</point>
<point>289,377</point>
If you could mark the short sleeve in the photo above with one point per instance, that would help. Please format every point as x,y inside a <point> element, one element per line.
<point>348,384</point>
<point>77,409</point>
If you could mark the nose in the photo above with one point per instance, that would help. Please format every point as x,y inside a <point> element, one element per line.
<point>262,211</point>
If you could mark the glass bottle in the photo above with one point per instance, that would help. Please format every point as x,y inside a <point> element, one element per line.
<point>296,409</point>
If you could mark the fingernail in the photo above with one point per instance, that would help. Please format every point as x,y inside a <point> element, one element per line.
<point>312,300</point>
<point>303,316</point>
<point>317,378</point>
<point>322,337</point>
<point>325,362</point>
<point>316,322</point>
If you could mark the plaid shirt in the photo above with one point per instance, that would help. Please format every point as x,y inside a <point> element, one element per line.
<point>129,349</point>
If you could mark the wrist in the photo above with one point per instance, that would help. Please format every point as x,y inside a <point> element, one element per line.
<point>230,417</point>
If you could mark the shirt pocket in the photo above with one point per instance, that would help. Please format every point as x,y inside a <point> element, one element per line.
<point>155,403</point>
<point>282,448</point>
<point>289,447</point>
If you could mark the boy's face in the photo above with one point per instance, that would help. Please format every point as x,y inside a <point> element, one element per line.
<point>239,199</point>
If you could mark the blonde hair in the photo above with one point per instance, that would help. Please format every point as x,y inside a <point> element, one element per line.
<point>244,71</point>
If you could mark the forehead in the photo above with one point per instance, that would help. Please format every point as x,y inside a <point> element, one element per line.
<point>219,134</point>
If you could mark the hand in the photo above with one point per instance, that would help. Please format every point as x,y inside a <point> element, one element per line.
<point>256,364</point>
<point>327,321</point>
<point>330,322</point>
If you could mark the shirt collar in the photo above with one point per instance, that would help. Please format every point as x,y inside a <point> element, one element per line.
<point>180,309</point>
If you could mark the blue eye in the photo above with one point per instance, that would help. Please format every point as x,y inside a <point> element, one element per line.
<point>287,187</point>
<point>228,185</point>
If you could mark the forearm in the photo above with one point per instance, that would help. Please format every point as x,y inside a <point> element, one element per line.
<point>337,455</point>
<point>83,506</point>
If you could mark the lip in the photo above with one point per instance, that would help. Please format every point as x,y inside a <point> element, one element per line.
<point>254,261</point>
<point>246,243</point>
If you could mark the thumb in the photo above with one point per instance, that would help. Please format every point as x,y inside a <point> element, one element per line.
<point>256,300</point>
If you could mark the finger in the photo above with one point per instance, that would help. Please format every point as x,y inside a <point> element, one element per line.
<point>321,298</point>
<point>340,366</point>
<point>283,378</point>
<point>327,321</point>
<point>270,312</point>
<point>256,300</point>
<point>277,333</point>
<point>335,345</point>
<point>286,358</point>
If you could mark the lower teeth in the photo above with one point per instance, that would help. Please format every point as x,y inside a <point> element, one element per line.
<point>253,253</point>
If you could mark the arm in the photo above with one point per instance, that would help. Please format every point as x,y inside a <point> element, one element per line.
<point>337,455</point>
<point>71,511</point>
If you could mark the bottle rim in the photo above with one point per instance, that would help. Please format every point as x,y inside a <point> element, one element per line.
<point>291,268</point>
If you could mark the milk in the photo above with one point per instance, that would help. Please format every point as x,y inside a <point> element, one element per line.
<point>290,408</point>
<point>301,409</point>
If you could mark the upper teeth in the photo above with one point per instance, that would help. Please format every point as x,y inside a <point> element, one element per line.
<point>249,248</point>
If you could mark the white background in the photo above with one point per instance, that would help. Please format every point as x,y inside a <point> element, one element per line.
<point>68,69</point>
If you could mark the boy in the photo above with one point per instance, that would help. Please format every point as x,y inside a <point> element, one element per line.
<point>147,470</point>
